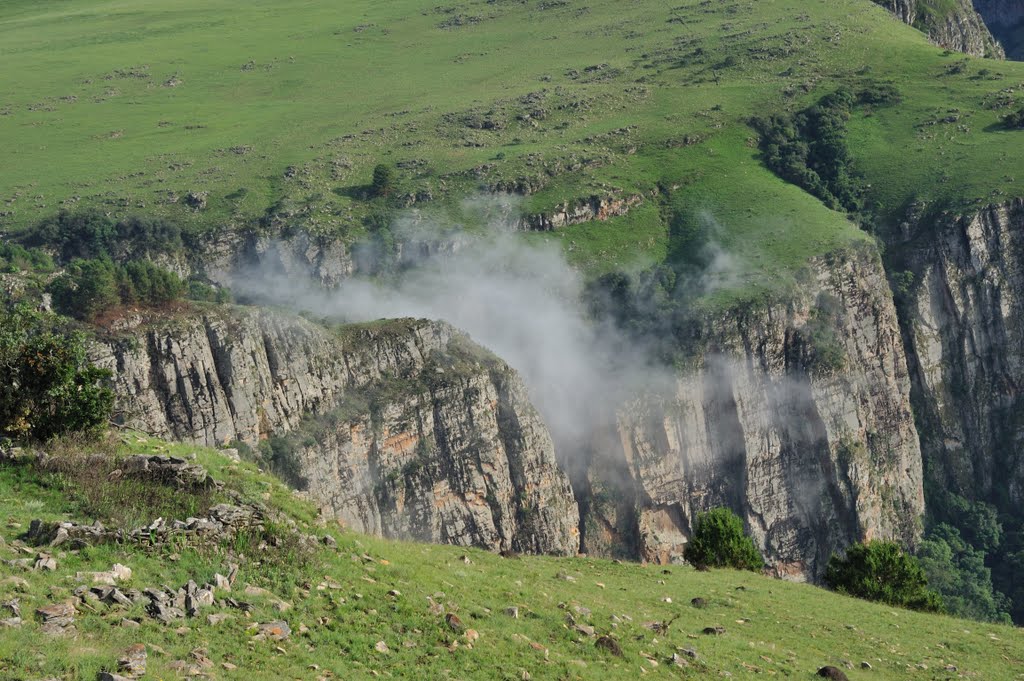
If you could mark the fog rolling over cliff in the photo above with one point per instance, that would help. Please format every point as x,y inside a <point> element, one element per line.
<point>521,300</point>
<point>813,459</point>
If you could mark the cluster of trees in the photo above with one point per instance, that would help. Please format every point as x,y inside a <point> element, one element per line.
<point>882,571</point>
<point>17,258</point>
<point>876,571</point>
<point>93,234</point>
<point>809,149</point>
<point>47,385</point>
<point>90,287</point>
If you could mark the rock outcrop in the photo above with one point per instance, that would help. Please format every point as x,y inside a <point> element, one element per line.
<point>577,212</point>
<point>403,428</point>
<point>964,328</point>
<point>955,27</point>
<point>807,433</point>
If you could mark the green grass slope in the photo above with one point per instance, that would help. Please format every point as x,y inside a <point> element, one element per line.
<point>257,106</point>
<point>344,600</point>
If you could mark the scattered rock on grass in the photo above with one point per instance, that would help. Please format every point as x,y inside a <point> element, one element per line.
<point>133,663</point>
<point>609,644</point>
<point>453,622</point>
<point>57,619</point>
<point>275,631</point>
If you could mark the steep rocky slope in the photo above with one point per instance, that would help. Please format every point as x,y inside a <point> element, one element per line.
<point>808,432</point>
<point>795,413</point>
<point>954,26</point>
<point>964,321</point>
<point>418,433</point>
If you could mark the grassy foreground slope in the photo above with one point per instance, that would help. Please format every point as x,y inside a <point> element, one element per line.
<point>345,600</point>
<point>264,107</point>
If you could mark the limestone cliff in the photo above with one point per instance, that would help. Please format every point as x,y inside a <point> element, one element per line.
<point>1005,19</point>
<point>964,322</point>
<point>404,429</point>
<point>796,414</point>
<point>806,431</point>
<point>954,26</point>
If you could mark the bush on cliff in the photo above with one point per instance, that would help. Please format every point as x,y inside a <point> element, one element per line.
<point>881,571</point>
<point>719,541</point>
<point>47,385</point>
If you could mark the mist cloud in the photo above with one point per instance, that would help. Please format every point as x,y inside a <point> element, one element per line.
<point>520,300</point>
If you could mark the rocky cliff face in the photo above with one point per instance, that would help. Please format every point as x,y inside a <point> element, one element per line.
<point>809,434</point>
<point>959,28</point>
<point>405,429</point>
<point>1005,19</point>
<point>964,323</point>
<point>795,414</point>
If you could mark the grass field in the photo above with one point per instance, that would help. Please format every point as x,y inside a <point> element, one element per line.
<point>260,106</point>
<point>343,597</point>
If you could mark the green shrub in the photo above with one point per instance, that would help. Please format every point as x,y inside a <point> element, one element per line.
<point>17,258</point>
<point>47,385</point>
<point>719,541</point>
<point>383,180</point>
<point>881,571</point>
<point>86,289</point>
<point>1014,120</point>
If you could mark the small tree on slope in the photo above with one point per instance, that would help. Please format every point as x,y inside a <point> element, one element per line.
<point>719,541</point>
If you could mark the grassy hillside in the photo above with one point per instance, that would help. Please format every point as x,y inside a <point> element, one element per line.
<point>344,600</point>
<point>261,107</point>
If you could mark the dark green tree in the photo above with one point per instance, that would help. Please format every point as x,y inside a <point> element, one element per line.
<point>882,571</point>
<point>957,572</point>
<point>383,180</point>
<point>47,385</point>
<point>86,289</point>
<point>719,541</point>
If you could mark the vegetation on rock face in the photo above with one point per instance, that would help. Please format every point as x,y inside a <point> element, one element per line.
<point>89,233</point>
<point>47,385</point>
<point>882,571</point>
<point>719,541</point>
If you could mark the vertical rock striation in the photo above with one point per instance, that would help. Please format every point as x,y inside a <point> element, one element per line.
<point>964,328</point>
<point>809,435</point>
<point>404,429</point>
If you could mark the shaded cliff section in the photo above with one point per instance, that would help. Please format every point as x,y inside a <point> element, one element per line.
<point>959,278</point>
<point>953,24</point>
<point>963,313</point>
<point>1005,19</point>
<point>795,415</point>
<point>404,429</point>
